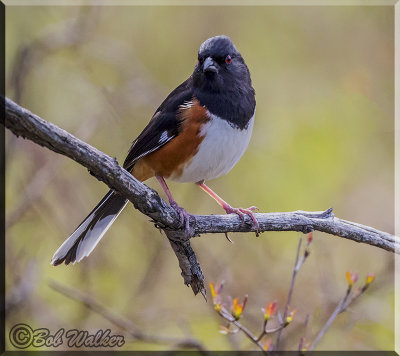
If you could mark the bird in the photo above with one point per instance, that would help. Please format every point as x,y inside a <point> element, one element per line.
<point>198,133</point>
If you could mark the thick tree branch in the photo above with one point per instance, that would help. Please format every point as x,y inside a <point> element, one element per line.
<point>23,123</point>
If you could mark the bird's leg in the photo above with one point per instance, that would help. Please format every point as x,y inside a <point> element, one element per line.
<point>228,209</point>
<point>183,214</point>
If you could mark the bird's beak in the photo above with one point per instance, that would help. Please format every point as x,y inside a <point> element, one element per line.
<point>209,66</point>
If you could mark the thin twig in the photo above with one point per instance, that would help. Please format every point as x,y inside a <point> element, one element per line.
<point>333,316</point>
<point>263,331</point>
<point>227,316</point>
<point>340,308</point>
<point>237,309</point>
<point>296,268</point>
<point>233,318</point>
<point>266,331</point>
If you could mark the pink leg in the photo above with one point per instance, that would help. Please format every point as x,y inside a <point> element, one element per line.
<point>228,209</point>
<point>183,214</point>
<point>164,186</point>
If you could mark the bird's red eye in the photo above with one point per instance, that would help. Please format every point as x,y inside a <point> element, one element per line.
<point>228,59</point>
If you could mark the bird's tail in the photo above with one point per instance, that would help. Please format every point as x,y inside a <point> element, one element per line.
<point>87,235</point>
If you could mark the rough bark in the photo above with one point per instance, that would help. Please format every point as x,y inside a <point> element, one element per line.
<point>105,168</point>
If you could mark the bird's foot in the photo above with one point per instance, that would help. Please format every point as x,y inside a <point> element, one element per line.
<point>184,217</point>
<point>242,212</point>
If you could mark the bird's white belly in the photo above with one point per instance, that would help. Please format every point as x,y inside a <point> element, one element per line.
<point>222,147</point>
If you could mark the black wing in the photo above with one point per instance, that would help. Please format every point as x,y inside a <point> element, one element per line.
<point>163,126</point>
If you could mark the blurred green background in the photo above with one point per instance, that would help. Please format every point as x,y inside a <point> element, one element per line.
<point>323,138</point>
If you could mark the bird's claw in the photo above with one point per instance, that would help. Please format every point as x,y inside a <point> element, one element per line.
<point>184,217</point>
<point>242,212</point>
<point>228,238</point>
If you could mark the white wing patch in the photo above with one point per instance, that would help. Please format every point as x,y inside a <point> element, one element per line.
<point>186,105</point>
<point>163,137</point>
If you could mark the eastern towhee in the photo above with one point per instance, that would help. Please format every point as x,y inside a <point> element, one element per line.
<point>198,133</point>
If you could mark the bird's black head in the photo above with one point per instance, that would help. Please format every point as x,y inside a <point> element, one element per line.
<point>220,66</point>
